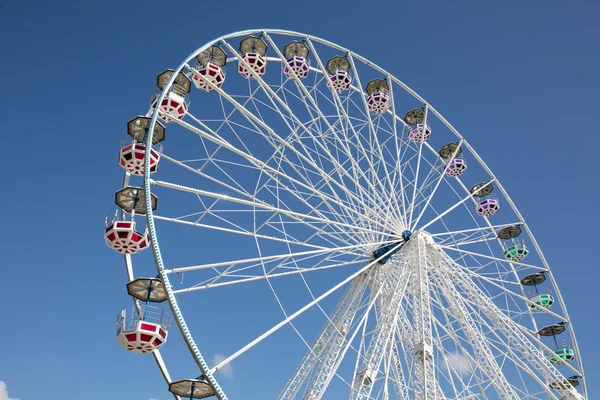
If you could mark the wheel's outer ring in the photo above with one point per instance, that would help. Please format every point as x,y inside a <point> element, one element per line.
<point>200,361</point>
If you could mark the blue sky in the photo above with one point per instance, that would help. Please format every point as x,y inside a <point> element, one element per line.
<point>518,79</point>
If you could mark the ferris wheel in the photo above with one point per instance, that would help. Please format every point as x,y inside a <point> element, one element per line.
<point>328,233</point>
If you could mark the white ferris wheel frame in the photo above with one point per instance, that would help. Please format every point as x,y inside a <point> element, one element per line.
<point>195,351</point>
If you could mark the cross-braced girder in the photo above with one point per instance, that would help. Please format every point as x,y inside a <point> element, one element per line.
<point>396,276</point>
<point>322,355</point>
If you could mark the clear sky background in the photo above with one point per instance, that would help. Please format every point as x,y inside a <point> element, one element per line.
<point>519,79</point>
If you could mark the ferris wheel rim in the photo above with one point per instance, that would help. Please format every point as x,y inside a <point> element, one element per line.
<point>150,217</point>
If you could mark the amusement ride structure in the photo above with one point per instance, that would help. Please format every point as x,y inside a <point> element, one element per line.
<point>329,231</point>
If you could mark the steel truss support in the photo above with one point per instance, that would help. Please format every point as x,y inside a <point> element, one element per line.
<point>397,375</point>
<point>481,351</point>
<point>322,356</point>
<point>396,281</point>
<point>393,368</point>
<point>425,385</point>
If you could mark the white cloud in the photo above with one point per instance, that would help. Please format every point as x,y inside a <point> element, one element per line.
<point>4,392</point>
<point>459,363</point>
<point>226,371</point>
